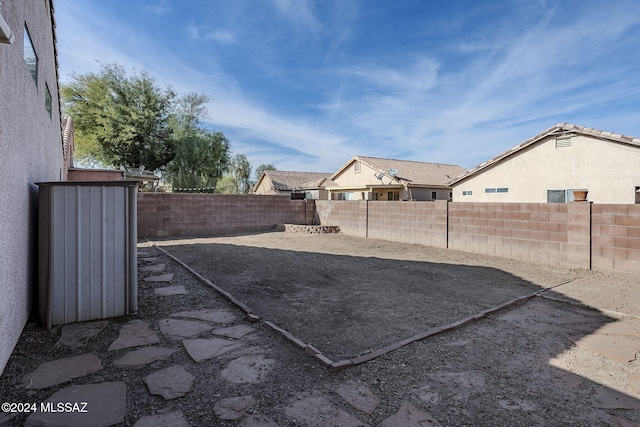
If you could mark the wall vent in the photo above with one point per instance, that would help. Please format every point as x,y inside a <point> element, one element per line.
<point>563,142</point>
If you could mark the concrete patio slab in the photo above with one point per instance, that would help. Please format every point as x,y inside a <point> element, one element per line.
<point>62,370</point>
<point>170,383</point>
<point>98,405</point>
<point>134,334</point>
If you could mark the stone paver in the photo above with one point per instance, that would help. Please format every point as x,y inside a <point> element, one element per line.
<point>233,408</point>
<point>143,356</point>
<point>134,334</point>
<point>161,278</point>
<point>410,416</point>
<point>236,332</point>
<point>62,370</point>
<point>219,315</point>
<point>359,396</point>
<point>153,268</point>
<point>105,406</point>
<point>78,334</point>
<point>170,419</point>
<point>170,383</point>
<point>248,369</point>
<point>182,328</point>
<point>258,421</point>
<point>314,410</point>
<point>204,349</point>
<point>170,290</point>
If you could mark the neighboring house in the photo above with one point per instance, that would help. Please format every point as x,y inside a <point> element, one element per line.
<point>373,178</point>
<point>550,165</point>
<point>286,182</point>
<point>32,151</point>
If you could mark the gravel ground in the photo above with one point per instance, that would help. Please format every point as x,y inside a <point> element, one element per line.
<point>349,296</point>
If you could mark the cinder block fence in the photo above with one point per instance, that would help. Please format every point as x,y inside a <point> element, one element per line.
<point>582,235</point>
<point>196,215</point>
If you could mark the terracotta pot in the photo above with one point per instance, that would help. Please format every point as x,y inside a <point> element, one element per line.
<point>580,195</point>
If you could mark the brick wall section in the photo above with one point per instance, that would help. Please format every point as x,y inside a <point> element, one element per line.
<point>525,231</point>
<point>190,215</point>
<point>423,223</point>
<point>351,216</point>
<point>616,237</point>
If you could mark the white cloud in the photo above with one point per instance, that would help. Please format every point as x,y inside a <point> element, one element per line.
<point>224,37</point>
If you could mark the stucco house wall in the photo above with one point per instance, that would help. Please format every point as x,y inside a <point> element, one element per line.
<point>608,169</point>
<point>31,147</point>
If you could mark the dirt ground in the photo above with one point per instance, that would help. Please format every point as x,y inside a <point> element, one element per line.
<point>347,297</point>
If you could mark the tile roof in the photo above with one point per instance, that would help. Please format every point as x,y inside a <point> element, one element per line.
<point>410,171</point>
<point>288,180</point>
<point>559,129</point>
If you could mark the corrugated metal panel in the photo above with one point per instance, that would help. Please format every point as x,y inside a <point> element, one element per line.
<point>88,264</point>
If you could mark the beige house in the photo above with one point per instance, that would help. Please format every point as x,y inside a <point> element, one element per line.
<point>373,178</point>
<point>32,151</point>
<point>550,165</point>
<point>312,184</point>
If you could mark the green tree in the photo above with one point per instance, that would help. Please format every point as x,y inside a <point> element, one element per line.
<point>121,120</point>
<point>201,156</point>
<point>263,168</point>
<point>237,180</point>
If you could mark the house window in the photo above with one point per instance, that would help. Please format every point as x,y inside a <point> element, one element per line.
<point>356,167</point>
<point>393,195</point>
<point>434,195</point>
<point>496,190</point>
<point>30,57</point>
<point>467,192</point>
<point>637,195</point>
<point>47,99</point>
<point>374,195</point>
<point>344,196</point>
<point>556,196</point>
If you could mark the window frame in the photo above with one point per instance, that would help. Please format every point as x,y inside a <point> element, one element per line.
<point>31,63</point>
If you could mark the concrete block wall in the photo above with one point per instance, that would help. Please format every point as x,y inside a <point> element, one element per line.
<point>351,216</point>
<point>525,231</point>
<point>423,223</point>
<point>616,237</point>
<point>190,215</point>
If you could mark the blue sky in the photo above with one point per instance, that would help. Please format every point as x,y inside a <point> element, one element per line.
<point>306,85</point>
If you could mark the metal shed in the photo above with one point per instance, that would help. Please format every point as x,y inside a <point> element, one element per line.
<point>87,251</point>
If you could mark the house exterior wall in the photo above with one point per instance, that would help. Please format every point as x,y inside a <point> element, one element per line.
<point>193,215</point>
<point>608,170</point>
<point>265,187</point>
<point>31,147</point>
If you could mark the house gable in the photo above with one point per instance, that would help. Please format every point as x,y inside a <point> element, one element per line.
<point>559,160</point>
